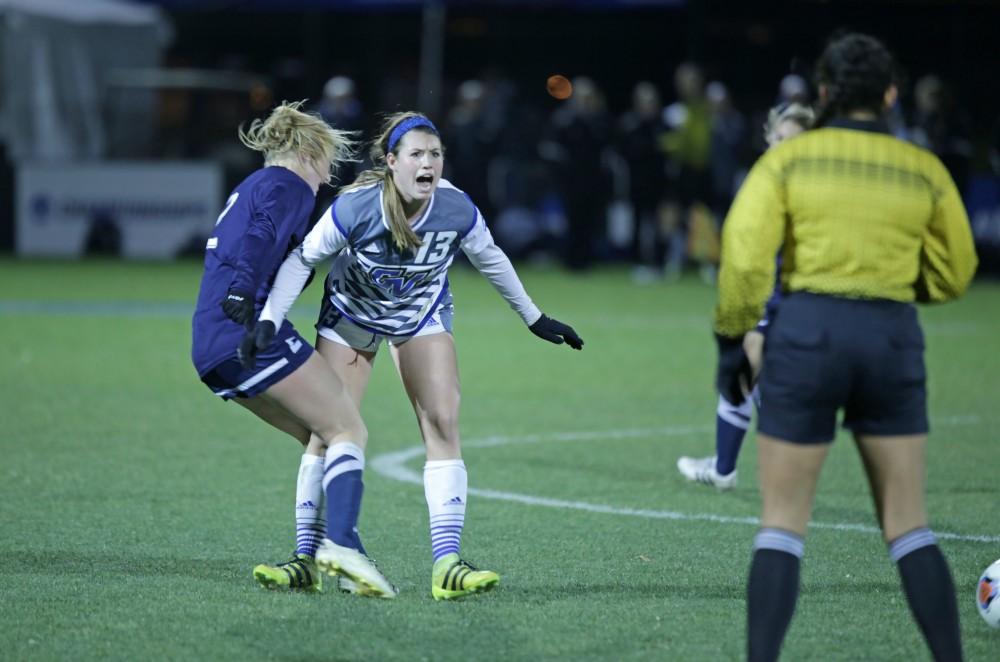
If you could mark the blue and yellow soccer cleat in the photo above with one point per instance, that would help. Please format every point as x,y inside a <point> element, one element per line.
<point>299,574</point>
<point>454,578</point>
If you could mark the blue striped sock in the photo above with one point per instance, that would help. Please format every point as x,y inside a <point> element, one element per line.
<point>731,423</point>
<point>345,463</point>
<point>310,527</point>
<point>446,487</point>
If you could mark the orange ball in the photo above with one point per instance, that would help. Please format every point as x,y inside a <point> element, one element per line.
<point>559,87</point>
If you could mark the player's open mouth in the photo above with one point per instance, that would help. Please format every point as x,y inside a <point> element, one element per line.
<point>425,182</point>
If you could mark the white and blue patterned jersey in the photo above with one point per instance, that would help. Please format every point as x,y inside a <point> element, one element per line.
<point>382,288</point>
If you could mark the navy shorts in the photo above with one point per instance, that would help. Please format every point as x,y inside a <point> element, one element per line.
<point>286,353</point>
<point>825,353</point>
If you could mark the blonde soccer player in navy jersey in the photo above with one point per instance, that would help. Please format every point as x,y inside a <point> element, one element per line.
<point>867,224</point>
<point>392,236</point>
<point>784,121</point>
<point>285,384</point>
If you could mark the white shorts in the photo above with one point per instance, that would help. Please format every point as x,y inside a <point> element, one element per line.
<point>346,332</point>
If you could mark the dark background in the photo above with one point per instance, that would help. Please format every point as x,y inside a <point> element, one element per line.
<point>292,47</point>
<point>747,45</point>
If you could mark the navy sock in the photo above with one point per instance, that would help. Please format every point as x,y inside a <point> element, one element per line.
<point>343,468</point>
<point>930,591</point>
<point>731,423</point>
<point>772,590</point>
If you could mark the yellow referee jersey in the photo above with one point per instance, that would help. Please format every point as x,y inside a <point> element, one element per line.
<point>855,212</point>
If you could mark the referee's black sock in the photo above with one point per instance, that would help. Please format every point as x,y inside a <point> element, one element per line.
<point>772,591</point>
<point>930,591</point>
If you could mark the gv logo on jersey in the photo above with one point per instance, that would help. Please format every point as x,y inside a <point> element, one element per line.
<point>394,280</point>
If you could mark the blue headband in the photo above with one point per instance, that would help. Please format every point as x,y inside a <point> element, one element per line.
<point>406,125</point>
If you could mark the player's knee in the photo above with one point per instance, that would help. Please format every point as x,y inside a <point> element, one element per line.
<point>443,422</point>
<point>354,431</point>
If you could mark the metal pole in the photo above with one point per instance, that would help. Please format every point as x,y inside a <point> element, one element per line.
<point>429,94</point>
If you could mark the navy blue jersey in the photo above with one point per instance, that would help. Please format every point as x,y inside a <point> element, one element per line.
<point>265,217</point>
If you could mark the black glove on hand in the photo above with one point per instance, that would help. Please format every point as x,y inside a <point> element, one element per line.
<point>238,306</point>
<point>734,374</point>
<point>256,339</point>
<point>556,332</point>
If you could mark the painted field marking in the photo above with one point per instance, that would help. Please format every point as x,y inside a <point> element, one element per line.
<point>393,465</point>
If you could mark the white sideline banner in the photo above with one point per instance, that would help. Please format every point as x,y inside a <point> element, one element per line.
<point>158,206</point>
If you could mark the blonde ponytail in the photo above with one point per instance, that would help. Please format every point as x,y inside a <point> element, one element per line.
<point>289,133</point>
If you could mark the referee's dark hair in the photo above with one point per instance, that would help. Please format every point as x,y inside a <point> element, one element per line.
<point>856,70</point>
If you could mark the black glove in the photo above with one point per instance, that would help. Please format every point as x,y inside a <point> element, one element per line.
<point>734,374</point>
<point>239,307</point>
<point>256,339</point>
<point>556,332</point>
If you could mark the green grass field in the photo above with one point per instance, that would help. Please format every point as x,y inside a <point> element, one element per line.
<point>135,504</point>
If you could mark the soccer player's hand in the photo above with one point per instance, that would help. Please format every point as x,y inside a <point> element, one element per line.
<point>239,307</point>
<point>556,332</point>
<point>734,374</point>
<point>256,339</point>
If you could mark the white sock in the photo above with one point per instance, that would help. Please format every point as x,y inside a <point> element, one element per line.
<point>310,524</point>
<point>446,487</point>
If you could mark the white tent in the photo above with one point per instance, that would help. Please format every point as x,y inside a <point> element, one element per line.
<point>55,59</point>
<point>117,12</point>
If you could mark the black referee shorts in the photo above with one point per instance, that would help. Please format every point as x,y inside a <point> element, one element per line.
<point>827,353</point>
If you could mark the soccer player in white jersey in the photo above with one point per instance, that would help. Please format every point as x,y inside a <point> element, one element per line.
<point>392,235</point>
<point>784,121</point>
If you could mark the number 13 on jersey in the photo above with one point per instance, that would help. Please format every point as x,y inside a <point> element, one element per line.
<point>435,246</point>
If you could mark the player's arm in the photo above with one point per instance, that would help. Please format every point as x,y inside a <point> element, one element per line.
<point>324,240</point>
<point>494,264</point>
<point>948,256</point>
<point>751,236</point>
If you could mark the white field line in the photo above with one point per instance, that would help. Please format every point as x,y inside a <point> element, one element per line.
<point>393,465</point>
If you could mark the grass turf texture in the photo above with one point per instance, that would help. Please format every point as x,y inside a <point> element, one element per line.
<point>135,504</point>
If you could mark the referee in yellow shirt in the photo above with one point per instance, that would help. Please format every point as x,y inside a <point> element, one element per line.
<point>867,224</point>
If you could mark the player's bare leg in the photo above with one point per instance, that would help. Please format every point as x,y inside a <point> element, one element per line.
<point>300,572</point>
<point>354,368</point>
<point>318,397</point>
<point>896,467</point>
<point>428,367</point>
<point>788,476</point>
